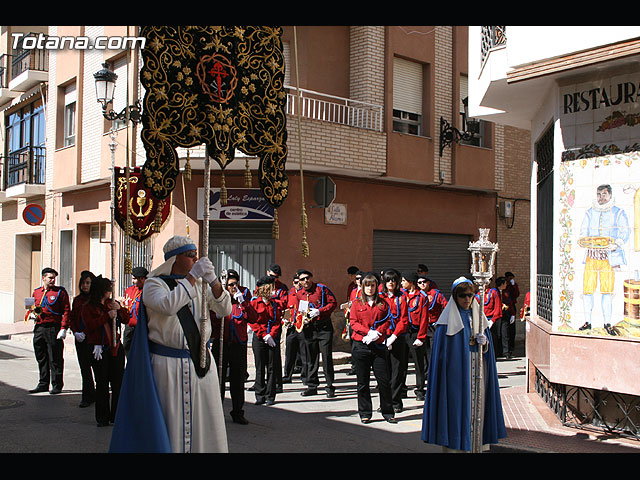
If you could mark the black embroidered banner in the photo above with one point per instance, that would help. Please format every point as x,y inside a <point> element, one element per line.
<point>218,85</point>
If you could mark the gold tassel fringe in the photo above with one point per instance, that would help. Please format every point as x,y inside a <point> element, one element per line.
<point>187,169</point>
<point>157,224</point>
<point>247,175</point>
<point>275,228</point>
<point>223,191</point>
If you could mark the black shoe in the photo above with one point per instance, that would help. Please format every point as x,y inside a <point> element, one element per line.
<point>39,389</point>
<point>420,396</point>
<point>331,393</point>
<point>586,326</point>
<point>365,420</point>
<point>351,372</point>
<point>611,330</point>
<point>391,419</point>
<point>268,403</point>
<point>252,388</point>
<point>260,402</point>
<point>239,419</point>
<point>397,409</point>
<point>55,390</point>
<point>85,403</point>
<point>309,391</point>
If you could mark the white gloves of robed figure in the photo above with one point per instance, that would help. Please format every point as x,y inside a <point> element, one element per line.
<point>204,269</point>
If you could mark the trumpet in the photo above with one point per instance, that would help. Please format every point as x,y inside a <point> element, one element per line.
<point>302,320</point>
<point>346,332</point>
<point>33,313</point>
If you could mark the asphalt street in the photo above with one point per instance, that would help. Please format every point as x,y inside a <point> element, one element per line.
<point>45,423</point>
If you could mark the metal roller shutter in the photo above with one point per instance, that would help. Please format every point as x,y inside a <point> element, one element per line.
<point>407,86</point>
<point>446,255</point>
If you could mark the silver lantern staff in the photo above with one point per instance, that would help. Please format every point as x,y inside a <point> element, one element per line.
<point>483,256</point>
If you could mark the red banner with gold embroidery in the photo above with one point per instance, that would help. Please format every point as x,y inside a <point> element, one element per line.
<point>147,213</point>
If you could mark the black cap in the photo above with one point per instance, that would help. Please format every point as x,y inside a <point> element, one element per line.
<point>233,274</point>
<point>353,270</point>
<point>509,274</point>
<point>140,272</point>
<point>410,276</point>
<point>49,270</point>
<point>266,280</point>
<point>275,268</point>
<point>302,271</point>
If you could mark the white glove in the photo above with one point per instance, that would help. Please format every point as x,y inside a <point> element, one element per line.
<point>372,336</point>
<point>113,314</point>
<point>481,339</point>
<point>210,276</point>
<point>80,336</point>
<point>269,341</point>
<point>314,312</point>
<point>512,281</point>
<point>238,296</point>
<point>201,268</point>
<point>417,343</point>
<point>389,341</point>
<point>62,334</point>
<point>97,352</point>
<point>512,319</point>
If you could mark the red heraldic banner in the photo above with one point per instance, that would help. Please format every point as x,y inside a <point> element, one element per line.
<point>148,214</point>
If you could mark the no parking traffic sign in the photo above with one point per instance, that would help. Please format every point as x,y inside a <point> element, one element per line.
<point>33,214</point>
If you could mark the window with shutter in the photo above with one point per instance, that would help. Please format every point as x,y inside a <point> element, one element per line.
<point>408,88</point>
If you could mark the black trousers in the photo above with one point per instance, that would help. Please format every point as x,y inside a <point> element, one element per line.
<point>418,357</point>
<point>508,334</point>
<point>398,361</point>
<point>234,359</point>
<point>496,337</point>
<point>127,338</point>
<point>265,363</point>
<point>367,358</point>
<point>108,372</point>
<point>49,354</point>
<point>84,360</point>
<point>318,337</point>
<point>293,353</point>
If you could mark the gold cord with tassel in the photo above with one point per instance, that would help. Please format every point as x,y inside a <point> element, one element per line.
<point>304,219</point>
<point>184,199</point>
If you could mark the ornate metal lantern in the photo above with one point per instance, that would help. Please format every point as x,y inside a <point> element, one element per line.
<point>483,257</point>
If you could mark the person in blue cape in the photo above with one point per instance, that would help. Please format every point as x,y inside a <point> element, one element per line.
<point>168,402</point>
<point>447,418</point>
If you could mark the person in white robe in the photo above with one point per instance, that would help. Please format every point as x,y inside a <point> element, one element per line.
<point>191,405</point>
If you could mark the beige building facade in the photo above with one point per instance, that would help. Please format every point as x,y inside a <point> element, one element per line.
<point>373,98</point>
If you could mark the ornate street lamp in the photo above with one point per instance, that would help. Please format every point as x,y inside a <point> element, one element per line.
<point>105,80</point>
<point>450,134</point>
<point>105,87</point>
<point>483,257</point>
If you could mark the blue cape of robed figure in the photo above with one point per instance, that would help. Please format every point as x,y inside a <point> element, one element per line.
<point>446,418</point>
<point>139,426</point>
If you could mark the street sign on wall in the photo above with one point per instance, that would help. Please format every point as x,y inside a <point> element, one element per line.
<point>33,214</point>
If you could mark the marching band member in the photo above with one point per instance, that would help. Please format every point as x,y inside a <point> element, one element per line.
<point>82,346</point>
<point>265,321</point>
<point>493,309</point>
<point>320,302</point>
<point>107,361</point>
<point>281,295</point>
<point>49,332</point>
<point>370,324</point>
<point>417,311</point>
<point>396,341</point>
<point>234,349</point>
<point>294,348</point>
<point>353,293</point>
<point>436,302</point>
<point>131,302</point>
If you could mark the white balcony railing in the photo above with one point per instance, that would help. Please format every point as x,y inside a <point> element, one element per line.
<point>329,108</point>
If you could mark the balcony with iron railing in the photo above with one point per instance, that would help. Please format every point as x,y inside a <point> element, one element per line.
<point>492,37</point>
<point>333,109</point>
<point>29,66</point>
<point>23,172</point>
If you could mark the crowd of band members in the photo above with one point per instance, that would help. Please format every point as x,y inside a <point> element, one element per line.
<point>389,322</point>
